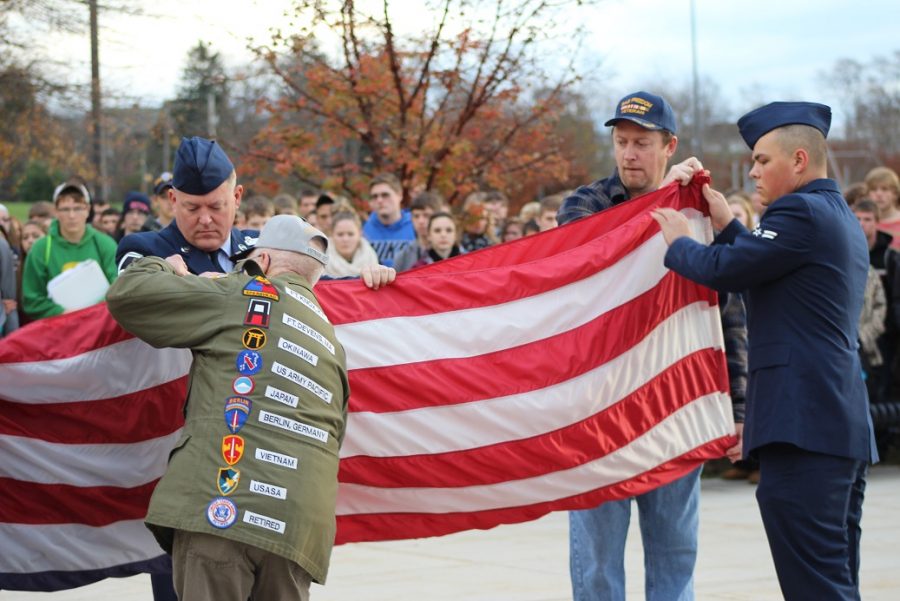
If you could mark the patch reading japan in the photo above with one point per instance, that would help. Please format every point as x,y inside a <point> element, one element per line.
<point>305,329</point>
<point>285,423</point>
<point>297,378</point>
<point>277,394</point>
<point>258,312</point>
<point>306,303</point>
<point>249,363</point>
<point>232,449</point>
<point>254,339</point>
<point>227,480</point>
<point>262,521</point>
<point>221,513</point>
<point>260,286</point>
<point>237,408</point>
<point>276,458</point>
<point>243,385</point>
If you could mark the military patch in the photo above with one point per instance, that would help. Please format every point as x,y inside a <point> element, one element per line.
<point>221,513</point>
<point>260,286</point>
<point>243,385</point>
<point>237,408</point>
<point>232,449</point>
<point>258,312</point>
<point>249,363</point>
<point>228,479</point>
<point>254,339</point>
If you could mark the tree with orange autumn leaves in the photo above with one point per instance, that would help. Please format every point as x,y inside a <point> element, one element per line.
<point>454,109</point>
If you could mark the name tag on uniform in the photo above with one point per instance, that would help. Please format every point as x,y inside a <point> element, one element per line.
<point>269,490</point>
<point>262,521</point>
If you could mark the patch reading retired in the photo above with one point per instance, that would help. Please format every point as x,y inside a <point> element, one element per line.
<point>260,286</point>
<point>262,521</point>
<point>306,303</point>
<point>228,480</point>
<point>232,449</point>
<point>269,490</point>
<point>276,458</point>
<point>291,425</point>
<point>297,378</point>
<point>221,513</point>
<point>295,349</point>
<point>237,408</point>
<point>254,339</point>
<point>305,329</point>
<point>258,312</point>
<point>286,398</point>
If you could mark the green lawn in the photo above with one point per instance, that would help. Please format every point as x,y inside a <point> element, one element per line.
<point>19,210</point>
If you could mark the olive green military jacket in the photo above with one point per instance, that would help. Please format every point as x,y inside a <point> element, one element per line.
<point>266,410</point>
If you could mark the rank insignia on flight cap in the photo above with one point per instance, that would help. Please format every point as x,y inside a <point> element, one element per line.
<point>221,513</point>
<point>227,481</point>
<point>243,385</point>
<point>260,286</point>
<point>232,449</point>
<point>258,312</point>
<point>237,408</point>
<point>254,339</point>
<point>249,363</point>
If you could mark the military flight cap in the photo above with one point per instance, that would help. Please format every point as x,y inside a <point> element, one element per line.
<point>294,234</point>
<point>761,121</point>
<point>647,110</point>
<point>200,166</point>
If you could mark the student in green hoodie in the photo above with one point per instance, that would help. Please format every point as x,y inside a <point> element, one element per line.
<point>69,242</point>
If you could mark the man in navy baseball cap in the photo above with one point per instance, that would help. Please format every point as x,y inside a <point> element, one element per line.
<point>647,110</point>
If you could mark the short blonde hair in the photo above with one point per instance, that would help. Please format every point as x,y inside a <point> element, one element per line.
<point>883,177</point>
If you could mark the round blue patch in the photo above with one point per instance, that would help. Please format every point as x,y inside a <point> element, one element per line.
<point>243,385</point>
<point>221,513</point>
<point>249,363</point>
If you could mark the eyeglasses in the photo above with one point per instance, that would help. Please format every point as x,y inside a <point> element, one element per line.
<point>72,210</point>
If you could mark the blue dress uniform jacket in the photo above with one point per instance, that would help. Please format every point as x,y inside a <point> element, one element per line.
<point>170,241</point>
<point>804,269</point>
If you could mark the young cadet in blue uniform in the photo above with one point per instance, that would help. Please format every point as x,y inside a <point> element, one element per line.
<point>204,196</point>
<point>804,269</point>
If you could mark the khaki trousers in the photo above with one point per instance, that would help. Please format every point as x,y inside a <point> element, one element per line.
<point>211,568</point>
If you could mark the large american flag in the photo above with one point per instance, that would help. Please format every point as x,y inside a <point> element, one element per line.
<point>554,372</point>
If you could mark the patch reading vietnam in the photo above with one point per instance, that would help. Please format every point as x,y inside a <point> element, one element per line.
<point>243,385</point>
<point>249,363</point>
<point>237,408</point>
<point>260,286</point>
<point>227,480</point>
<point>254,339</point>
<point>221,513</point>
<point>258,312</point>
<point>232,449</point>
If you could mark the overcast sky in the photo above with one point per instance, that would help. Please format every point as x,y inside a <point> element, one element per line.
<point>753,49</point>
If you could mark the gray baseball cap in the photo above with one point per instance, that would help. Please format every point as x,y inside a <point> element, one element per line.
<point>293,234</point>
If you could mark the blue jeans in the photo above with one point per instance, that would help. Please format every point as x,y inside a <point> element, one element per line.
<point>668,521</point>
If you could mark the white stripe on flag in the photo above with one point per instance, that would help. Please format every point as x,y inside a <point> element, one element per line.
<point>490,421</point>
<point>110,371</point>
<point>120,465</point>
<point>29,548</point>
<point>704,420</point>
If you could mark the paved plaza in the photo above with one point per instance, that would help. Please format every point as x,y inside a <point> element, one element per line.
<point>529,562</point>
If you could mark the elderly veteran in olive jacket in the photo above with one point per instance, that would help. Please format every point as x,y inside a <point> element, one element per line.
<point>246,506</point>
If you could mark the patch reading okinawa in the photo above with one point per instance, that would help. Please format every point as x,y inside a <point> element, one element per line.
<point>305,329</point>
<point>306,303</point>
<point>221,513</point>
<point>298,351</point>
<point>260,286</point>
<point>297,378</point>
<point>286,423</point>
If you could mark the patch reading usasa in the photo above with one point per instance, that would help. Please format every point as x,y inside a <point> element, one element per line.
<point>221,512</point>
<point>260,286</point>
<point>268,490</point>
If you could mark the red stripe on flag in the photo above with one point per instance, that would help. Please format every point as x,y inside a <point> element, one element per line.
<point>32,503</point>
<point>135,417</point>
<point>562,449</point>
<point>394,526</point>
<point>523,368</point>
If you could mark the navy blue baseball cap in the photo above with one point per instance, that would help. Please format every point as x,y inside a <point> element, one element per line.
<point>200,166</point>
<point>647,110</point>
<point>162,183</point>
<point>761,121</point>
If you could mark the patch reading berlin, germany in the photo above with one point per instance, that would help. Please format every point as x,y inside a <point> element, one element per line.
<point>305,329</point>
<point>285,423</point>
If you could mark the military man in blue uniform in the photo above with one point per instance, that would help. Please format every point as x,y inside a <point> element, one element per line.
<point>804,272</point>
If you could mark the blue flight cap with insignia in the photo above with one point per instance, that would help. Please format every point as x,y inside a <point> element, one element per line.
<point>761,121</point>
<point>647,110</point>
<point>200,166</point>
